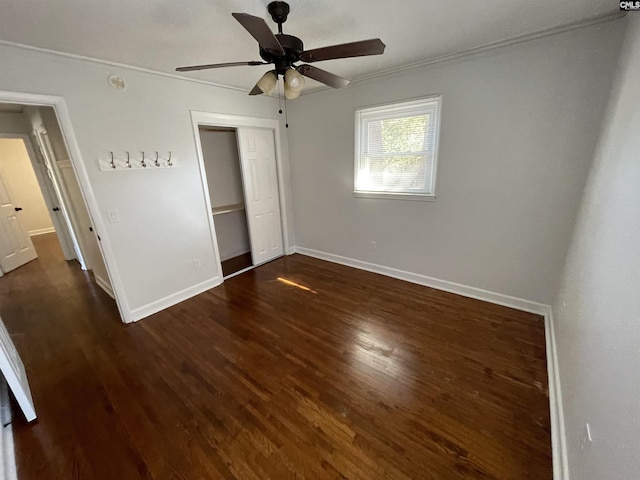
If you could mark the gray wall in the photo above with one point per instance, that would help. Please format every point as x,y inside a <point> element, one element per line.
<point>14,124</point>
<point>519,127</point>
<point>222,164</point>
<point>597,311</point>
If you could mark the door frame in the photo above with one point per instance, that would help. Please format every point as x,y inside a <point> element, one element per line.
<point>209,119</point>
<point>69,245</point>
<point>66,127</point>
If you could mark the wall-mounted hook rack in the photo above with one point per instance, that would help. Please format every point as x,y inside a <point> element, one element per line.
<point>123,161</point>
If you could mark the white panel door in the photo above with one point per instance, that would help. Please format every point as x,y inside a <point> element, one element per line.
<point>262,202</point>
<point>16,247</point>
<point>13,370</point>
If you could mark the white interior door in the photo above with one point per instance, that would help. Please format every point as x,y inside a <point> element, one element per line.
<point>44,147</point>
<point>15,242</point>
<point>44,176</point>
<point>13,371</point>
<point>259,176</point>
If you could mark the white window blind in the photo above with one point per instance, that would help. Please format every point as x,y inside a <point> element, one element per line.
<point>396,149</point>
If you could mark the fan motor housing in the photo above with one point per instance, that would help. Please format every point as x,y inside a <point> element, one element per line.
<point>292,47</point>
<point>278,11</point>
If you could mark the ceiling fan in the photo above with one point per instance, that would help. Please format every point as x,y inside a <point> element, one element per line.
<point>283,51</point>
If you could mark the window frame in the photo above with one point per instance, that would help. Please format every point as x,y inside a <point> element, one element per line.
<point>386,110</point>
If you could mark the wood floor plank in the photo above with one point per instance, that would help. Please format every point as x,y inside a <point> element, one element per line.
<point>298,369</point>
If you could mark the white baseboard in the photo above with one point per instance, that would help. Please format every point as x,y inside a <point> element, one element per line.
<point>558,439</point>
<point>447,286</point>
<point>104,285</point>
<point>41,231</point>
<point>173,299</point>
<point>558,435</point>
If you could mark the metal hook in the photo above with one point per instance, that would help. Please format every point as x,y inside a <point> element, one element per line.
<point>144,164</point>
<point>128,161</point>
<point>156,160</point>
<point>113,163</point>
<point>169,161</point>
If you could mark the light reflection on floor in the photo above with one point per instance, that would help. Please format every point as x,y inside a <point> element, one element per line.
<point>294,284</point>
<point>371,348</point>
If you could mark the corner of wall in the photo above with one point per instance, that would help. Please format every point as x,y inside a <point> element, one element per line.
<point>556,411</point>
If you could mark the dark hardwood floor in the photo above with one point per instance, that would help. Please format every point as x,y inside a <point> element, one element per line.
<point>355,376</point>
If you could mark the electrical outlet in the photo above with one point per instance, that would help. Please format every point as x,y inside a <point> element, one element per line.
<point>196,264</point>
<point>585,438</point>
<point>373,245</point>
<point>114,216</point>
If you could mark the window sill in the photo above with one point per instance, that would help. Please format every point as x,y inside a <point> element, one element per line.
<point>396,196</point>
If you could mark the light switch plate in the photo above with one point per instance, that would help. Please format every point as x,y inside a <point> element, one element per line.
<point>114,217</point>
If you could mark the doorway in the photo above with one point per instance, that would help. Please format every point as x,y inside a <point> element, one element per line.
<point>40,194</point>
<point>239,161</point>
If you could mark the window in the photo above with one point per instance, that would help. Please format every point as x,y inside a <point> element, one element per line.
<point>396,150</point>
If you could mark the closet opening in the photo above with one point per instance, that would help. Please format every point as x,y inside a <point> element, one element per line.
<point>224,179</point>
<point>241,178</point>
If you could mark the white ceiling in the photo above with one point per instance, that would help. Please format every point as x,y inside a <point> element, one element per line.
<point>164,34</point>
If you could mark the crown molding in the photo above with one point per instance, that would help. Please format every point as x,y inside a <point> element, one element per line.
<point>484,48</point>
<point>412,66</point>
<point>118,65</point>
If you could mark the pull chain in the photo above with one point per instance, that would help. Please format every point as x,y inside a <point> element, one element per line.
<point>286,118</point>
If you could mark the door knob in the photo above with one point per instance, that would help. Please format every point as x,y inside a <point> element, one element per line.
<point>18,209</point>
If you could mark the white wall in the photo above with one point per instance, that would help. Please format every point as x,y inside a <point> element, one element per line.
<point>519,126</point>
<point>163,219</point>
<point>597,311</point>
<point>22,185</point>
<point>222,163</point>
<point>224,178</point>
<point>232,232</point>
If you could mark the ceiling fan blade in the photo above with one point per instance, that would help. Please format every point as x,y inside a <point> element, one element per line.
<point>218,65</point>
<point>259,30</point>
<point>255,91</point>
<point>362,48</point>
<point>323,76</point>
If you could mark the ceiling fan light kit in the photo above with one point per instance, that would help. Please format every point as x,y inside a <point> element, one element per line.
<point>283,51</point>
<point>293,83</point>
<point>267,83</point>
